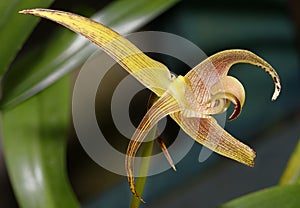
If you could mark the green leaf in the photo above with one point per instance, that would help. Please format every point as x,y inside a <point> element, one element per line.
<point>277,197</point>
<point>46,64</point>
<point>14,28</point>
<point>34,144</point>
<point>291,174</point>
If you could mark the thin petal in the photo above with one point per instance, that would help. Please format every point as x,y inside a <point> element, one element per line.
<point>207,132</point>
<point>149,72</point>
<point>164,149</point>
<point>173,100</point>
<point>212,69</point>
<point>163,106</point>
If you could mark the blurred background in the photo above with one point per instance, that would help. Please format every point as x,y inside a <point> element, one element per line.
<point>269,28</point>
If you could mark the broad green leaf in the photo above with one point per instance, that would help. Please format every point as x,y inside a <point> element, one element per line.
<point>291,175</point>
<point>14,28</point>
<point>65,51</point>
<point>34,143</point>
<point>277,197</point>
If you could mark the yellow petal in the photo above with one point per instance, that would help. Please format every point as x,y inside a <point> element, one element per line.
<point>212,69</point>
<point>173,100</point>
<point>164,149</point>
<point>207,132</point>
<point>149,72</point>
<point>165,105</point>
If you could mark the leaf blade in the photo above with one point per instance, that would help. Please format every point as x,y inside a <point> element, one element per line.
<point>34,144</point>
<point>276,197</point>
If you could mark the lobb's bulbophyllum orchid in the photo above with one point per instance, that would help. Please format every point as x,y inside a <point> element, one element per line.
<point>190,100</point>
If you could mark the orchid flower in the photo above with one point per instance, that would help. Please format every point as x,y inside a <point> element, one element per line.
<point>190,100</point>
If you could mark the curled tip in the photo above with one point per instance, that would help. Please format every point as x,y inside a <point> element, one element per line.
<point>271,71</point>
<point>233,116</point>
<point>276,92</point>
<point>236,112</point>
<point>277,84</point>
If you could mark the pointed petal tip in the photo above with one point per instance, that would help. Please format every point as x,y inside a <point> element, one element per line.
<point>23,11</point>
<point>28,11</point>
<point>277,87</point>
<point>249,160</point>
<point>234,114</point>
<point>141,199</point>
<point>230,118</point>
<point>133,190</point>
<point>276,94</point>
<point>36,11</point>
<point>251,164</point>
<point>237,110</point>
